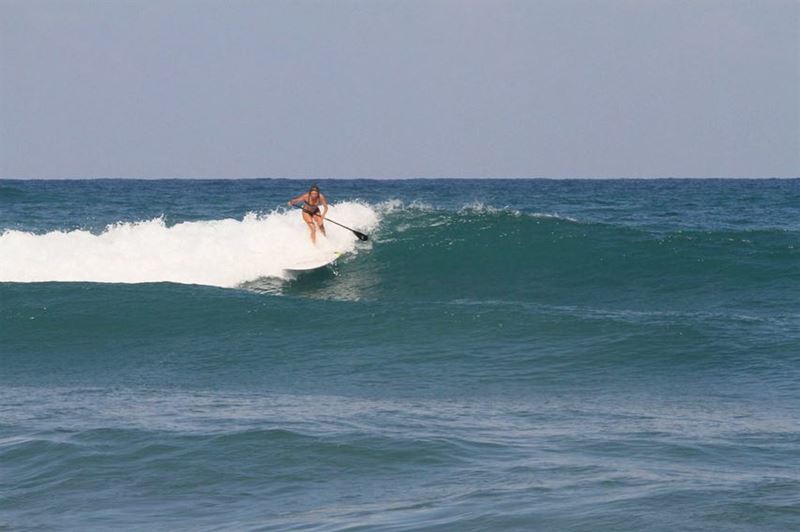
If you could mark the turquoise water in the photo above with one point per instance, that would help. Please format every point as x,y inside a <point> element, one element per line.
<point>501,354</point>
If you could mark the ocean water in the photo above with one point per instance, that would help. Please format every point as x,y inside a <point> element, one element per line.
<point>500,355</point>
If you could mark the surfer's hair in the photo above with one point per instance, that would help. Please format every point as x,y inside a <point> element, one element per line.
<point>313,188</point>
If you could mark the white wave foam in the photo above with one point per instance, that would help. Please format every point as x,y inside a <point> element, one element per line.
<point>476,207</point>
<point>393,205</point>
<point>554,216</point>
<point>482,208</point>
<point>222,253</point>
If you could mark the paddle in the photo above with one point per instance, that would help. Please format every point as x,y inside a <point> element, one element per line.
<point>361,236</point>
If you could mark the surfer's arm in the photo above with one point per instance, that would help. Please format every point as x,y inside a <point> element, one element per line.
<point>298,199</point>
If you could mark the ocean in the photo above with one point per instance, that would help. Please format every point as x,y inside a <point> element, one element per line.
<point>499,355</point>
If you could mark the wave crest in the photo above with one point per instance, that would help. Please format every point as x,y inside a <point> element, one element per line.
<point>223,253</point>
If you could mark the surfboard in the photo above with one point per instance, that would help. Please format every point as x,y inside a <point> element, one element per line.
<point>313,263</point>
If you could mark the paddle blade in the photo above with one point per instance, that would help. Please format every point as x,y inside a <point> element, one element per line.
<point>361,236</point>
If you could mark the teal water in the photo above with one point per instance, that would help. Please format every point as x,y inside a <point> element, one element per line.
<point>501,355</point>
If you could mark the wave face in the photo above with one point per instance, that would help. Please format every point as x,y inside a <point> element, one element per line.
<point>501,355</point>
<point>512,256</point>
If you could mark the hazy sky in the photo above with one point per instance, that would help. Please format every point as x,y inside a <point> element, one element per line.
<point>399,88</point>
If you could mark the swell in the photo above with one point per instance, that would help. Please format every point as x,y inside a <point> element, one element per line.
<point>58,470</point>
<point>309,461</point>
<point>162,335</point>
<point>9,193</point>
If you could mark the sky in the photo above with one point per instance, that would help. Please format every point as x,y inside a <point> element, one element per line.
<point>399,88</point>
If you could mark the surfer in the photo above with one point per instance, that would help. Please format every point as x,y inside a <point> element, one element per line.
<point>311,213</point>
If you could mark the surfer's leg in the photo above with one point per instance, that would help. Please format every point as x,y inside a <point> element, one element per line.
<point>318,219</point>
<point>311,227</point>
<point>313,233</point>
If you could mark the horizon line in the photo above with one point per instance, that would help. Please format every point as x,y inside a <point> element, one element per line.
<point>422,178</point>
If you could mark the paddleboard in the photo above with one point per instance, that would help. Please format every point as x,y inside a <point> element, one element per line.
<point>313,263</point>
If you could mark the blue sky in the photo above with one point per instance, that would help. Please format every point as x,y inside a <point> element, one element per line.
<point>399,88</point>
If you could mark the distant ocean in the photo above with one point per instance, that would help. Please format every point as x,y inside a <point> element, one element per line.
<point>500,355</point>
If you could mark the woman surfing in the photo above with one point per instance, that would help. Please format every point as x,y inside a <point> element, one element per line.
<point>311,213</point>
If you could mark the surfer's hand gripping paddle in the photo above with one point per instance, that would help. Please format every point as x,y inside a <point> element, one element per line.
<point>361,236</point>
